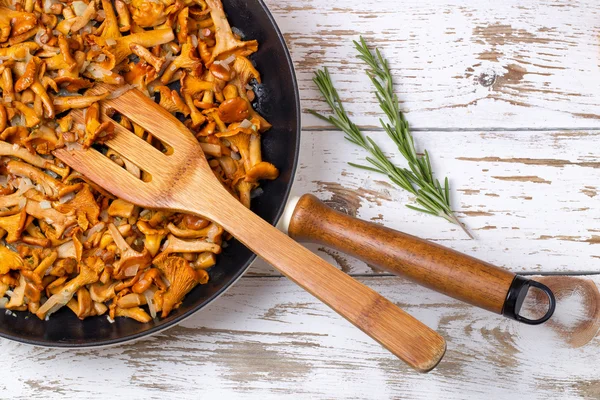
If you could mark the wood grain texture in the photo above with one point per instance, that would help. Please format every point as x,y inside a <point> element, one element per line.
<point>479,64</point>
<point>266,338</point>
<point>520,223</point>
<point>436,267</point>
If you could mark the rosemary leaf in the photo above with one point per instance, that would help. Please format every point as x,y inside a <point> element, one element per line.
<point>431,197</point>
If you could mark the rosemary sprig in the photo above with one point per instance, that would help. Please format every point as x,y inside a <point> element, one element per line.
<point>431,197</point>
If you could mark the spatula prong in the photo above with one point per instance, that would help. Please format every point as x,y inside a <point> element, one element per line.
<point>136,149</point>
<point>105,173</point>
<point>161,123</point>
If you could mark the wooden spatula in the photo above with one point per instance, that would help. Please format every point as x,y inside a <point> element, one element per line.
<point>183,181</point>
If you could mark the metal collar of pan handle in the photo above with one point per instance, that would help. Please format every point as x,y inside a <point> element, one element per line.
<point>516,295</point>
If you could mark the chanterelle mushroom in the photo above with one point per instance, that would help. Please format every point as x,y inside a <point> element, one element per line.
<point>176,245</point>
<point>83,205</point>
<point>182,277</point>
<point>147,13</point>
<point>14,23</point>
<point>227,44</point>
<point>9,260</point>
<point>131,261</point>
<point>89,271</point>
<point>153,236</point>
<point>262,170</point>
<point>14,225</point>
<point>187,59</point>
<point>58,220</point>
<point>31,80</point>
<point>52,188</point>
<point>7,149</point>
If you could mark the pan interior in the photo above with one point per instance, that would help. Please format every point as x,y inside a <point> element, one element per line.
<point>277,100</point>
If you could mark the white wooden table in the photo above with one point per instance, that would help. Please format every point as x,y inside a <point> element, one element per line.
<point>505,96</point>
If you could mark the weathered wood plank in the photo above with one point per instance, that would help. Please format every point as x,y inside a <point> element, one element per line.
<point>267,338</point>
<point>482,64</point>
<point>530,198</point>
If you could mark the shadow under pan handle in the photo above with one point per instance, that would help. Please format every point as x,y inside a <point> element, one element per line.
<point>439,268</point>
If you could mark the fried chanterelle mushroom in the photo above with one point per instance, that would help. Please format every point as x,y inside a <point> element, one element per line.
<point>67,243</point>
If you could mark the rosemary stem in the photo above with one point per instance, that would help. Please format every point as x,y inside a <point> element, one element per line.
<point>431,197</point>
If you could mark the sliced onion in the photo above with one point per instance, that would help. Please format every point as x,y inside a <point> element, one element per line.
<point>89,27</point>
<point>238,32</point>
<point>66,250</point>
<point>111,41</point>
<point>65,92</point>
<point>131,271</point>
<point>73,146</point>
<point>84,66</point>
<point>194,40</point>
<point>93,230</point>
<point>45,205</point>
<point>245,124</point>
<point>149,295</point>
<point>229,60</point>
<point>97,72</point>
<point>144,213</point>
<point>52,174</point>
<point>79,7</point>
<point>22,203</point>
<point>39,34</point>
<point>48,6</point>
<point>25,184</point>
<point>221,63</point>
<point>66,198</point>
<point>17,120</point>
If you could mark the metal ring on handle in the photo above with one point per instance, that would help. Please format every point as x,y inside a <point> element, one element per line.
<point>516,295</point>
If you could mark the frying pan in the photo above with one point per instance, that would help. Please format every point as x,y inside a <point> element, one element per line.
<point>277,100</point>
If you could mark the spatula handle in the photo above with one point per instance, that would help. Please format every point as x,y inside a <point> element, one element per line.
<point>429,264</point>
<point>400,333</point>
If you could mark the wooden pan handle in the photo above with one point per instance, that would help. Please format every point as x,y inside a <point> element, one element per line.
<point>439,268</point>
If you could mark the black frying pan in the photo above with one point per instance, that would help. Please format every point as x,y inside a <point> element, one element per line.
<point>277,100</point>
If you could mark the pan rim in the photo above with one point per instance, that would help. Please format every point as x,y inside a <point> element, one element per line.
<point>179,319</point>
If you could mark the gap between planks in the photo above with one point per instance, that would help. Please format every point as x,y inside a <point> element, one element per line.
<point>373,128</point>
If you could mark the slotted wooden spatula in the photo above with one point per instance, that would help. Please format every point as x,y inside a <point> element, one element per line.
<point>183,181</point>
